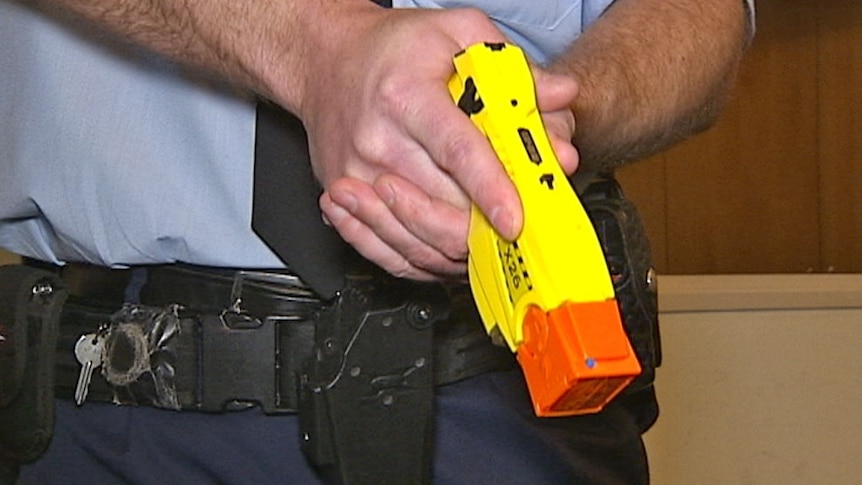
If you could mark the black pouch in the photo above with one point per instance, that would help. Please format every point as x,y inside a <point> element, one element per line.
<point>30,304</point>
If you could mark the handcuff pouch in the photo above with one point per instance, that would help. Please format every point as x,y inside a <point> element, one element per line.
<point>30,304</point>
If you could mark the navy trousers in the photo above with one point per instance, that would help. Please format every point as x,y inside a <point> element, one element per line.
<point>485,434</point>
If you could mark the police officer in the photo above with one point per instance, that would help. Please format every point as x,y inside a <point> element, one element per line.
<point>127,140</point>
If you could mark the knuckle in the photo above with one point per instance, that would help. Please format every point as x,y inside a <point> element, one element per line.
<point>394,94</point>
<point>433,262</point>
<point>472,16</point>
<point>455,252</point>
<point>475,25</point>
<point>401,270</point>
<point>420,258</point>
<point>349,229</point>
<point>425,258</point>
<point>456,151</point>
<point>368,145</point>
<point>374,138</point>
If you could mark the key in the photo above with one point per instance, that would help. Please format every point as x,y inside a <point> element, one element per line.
<point>88,351</point>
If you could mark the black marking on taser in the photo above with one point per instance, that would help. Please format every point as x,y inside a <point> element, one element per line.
<point>495,46</point>
<point>530,145</point>
<point>502,257</point>
<point>547,179</point>
<point>523,267</point>
<point>470,102</point>
<point>515,268</point>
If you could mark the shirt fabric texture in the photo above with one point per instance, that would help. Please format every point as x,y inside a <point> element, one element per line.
<point>115,156</point>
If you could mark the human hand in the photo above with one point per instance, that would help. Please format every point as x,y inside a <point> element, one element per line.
<point>400,163</point>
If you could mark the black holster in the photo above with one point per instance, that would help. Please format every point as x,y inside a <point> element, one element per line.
<point>366,411</point>
<point>30,305</point>
<point>627,251</point>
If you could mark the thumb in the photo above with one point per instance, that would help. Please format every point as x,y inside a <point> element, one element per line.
<point>553,91</point>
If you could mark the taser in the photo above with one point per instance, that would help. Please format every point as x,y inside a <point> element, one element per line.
<point>548,293</point>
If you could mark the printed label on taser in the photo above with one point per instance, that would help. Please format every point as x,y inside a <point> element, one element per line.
<point>517,277</point>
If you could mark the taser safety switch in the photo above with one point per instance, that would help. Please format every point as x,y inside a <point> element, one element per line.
<point>548,293</point>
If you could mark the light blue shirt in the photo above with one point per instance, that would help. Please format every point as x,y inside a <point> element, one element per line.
<point>114,156</point>
<point>542,28</point>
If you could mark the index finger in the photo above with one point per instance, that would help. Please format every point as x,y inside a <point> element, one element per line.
<point>462,150</point>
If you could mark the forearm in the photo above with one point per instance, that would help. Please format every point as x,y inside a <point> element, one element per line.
<point>652,72</point>
<point>261,46</point>
<point>398,161</point>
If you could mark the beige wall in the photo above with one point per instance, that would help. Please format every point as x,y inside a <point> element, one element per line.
<point>761,381</point>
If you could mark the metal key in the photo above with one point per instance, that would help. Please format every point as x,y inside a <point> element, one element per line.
<point>88,351</point>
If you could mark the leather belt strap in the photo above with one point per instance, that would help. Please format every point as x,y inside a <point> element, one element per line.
<point>243,335</point>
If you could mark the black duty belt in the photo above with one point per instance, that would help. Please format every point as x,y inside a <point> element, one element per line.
<point>224,339</point>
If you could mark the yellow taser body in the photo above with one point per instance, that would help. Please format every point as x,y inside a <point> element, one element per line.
<point>548,293</point>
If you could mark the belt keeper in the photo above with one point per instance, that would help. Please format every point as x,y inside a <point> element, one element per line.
<point>223,384</point>
<point>253,344</point>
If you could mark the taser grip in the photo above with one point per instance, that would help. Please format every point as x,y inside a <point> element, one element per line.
<point>548,293</point>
